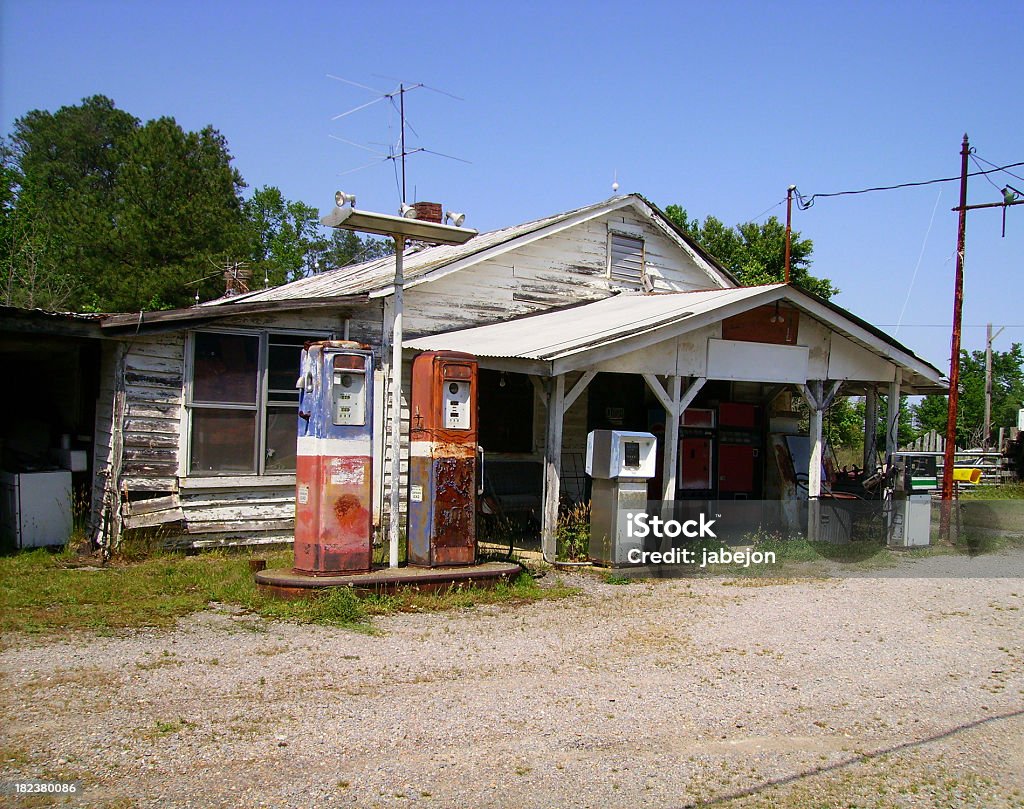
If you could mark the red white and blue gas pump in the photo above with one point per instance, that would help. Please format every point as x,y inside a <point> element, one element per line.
<point>334,463</point>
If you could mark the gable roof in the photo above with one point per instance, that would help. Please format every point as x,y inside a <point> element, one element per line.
<point>554,342</point>
<point>425,264</point>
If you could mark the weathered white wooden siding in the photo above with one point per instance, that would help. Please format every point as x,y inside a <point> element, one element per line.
<point>565,268</point>
<point>153,380</point>
<point>151,483</point>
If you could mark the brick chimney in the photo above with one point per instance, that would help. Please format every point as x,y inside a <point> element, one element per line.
<point>428,211</point>
<point>236,280</point>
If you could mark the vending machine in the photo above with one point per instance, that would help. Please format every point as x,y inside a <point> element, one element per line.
<point>443,454</point>
<point>334,463</point>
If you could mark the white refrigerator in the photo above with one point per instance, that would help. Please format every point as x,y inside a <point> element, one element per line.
<point>35,507</point>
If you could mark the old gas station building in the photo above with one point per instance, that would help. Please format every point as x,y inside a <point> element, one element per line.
<point>606,316</point>
<point>712,373</point>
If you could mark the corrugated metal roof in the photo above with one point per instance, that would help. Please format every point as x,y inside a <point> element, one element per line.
<point>551,335</point>
<point>377,276</point>
<point>380,273</point>
<point>559,334</point>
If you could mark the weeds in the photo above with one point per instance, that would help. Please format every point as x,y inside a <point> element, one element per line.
<point>573,533</point>
<point>1003,491</point>
<point>41,593</point>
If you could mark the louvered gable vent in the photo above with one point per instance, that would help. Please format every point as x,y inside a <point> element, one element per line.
<point>627,258</point>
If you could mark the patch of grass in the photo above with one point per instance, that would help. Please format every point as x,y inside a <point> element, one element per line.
<point>614,578</point>
<point>335,606</point>
<point>800,549</point>
<point>166,728</point>
<point>976,542</point>
<point>524,589</point>
<point>1003,491</point>
<point>40,592</point>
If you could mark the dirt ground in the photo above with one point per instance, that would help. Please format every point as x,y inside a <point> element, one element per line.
<point>876,691</point>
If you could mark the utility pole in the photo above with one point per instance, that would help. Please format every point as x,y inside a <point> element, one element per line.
<point>789,225</point>
<point>949,456</point>
<point>989,337</point>
<point>1010,197</point>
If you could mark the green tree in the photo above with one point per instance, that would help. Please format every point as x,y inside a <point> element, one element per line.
<point>344,248</point>
<point>287,242</point>
<point>1007,397</point>
<point>135,212</point>
<point>755,254</point>
<point>283,235</point>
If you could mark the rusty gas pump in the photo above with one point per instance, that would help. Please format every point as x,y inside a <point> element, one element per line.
<point>334,466</point>
<point>443,455</point>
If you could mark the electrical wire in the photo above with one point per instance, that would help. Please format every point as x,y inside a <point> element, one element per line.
<point>990,180</point>
<point>806,202</point>
<point>990,163</point>
<point>766,210</point>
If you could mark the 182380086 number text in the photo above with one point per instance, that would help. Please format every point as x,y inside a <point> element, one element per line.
<point>31,787</point>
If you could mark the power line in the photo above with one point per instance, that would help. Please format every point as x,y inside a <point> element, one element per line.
<point>766,210</point>
<point>806,202</point>
<point>989,162</point>
<point>991,182</point>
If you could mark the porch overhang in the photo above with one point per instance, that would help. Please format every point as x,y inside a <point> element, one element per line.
<point>581,338</point>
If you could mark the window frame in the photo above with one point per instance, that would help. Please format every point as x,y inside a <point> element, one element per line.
<point>264,400</point>
<point>622,233</point>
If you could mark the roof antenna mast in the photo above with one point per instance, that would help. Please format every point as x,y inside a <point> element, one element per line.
<point>401,115</point>
<point>403,152</point>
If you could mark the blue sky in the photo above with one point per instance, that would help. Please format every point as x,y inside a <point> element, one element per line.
<point>714,106</point>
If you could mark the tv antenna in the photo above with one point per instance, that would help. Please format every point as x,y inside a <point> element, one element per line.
<point>399,106</point>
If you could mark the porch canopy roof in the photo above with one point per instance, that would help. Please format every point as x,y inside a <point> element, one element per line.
<point>578,338</point>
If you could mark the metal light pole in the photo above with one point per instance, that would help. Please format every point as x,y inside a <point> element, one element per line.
<point>401,229</point>
<point>396,405</point>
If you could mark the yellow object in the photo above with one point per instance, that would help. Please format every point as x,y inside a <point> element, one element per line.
<point>967,475</point>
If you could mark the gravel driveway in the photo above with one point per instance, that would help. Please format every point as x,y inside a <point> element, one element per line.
<point>855,692</point>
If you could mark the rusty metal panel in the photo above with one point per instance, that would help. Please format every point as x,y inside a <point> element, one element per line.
<point>764,324</point>
<point>443,460</point>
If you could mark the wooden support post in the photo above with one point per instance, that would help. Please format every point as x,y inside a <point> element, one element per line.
<point>671,448</point>
<point>578,388</point>
<point>814,467</point>
<point>552,467</point>
<point>674,402</point>
<point>871,430</point>
<point>892,426</point>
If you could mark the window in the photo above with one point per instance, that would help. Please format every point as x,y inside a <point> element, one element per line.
<point>243,403</point>
<point>625,258</point>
